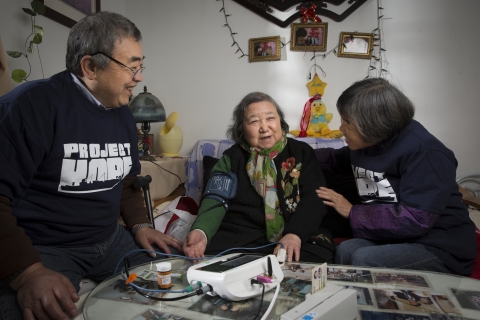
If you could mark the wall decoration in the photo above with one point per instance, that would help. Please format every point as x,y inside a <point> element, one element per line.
<point>262,8</point>
<point>264,49</point>
<point>309,37</point>
<point>355,45</point>
<point>378,63</point>
<point>232,34</point>
<point>69,12</point>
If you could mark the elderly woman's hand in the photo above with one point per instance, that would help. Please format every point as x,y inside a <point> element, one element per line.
<point>291,243</point>
<point>335,200</point>
<point>195,244</point>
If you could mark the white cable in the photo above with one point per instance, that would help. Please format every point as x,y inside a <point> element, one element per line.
<point>271,302</point>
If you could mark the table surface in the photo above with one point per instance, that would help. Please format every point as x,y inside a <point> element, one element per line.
<point>451,297</point>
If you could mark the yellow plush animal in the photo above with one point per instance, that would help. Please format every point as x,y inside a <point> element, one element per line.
<point>318,121</point>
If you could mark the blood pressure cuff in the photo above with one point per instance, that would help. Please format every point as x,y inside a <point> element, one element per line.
<point>222,186</point>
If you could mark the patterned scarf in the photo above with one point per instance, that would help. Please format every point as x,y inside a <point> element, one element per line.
<point>263,176</point>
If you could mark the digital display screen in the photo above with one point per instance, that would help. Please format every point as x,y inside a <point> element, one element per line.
<point>222,266</point>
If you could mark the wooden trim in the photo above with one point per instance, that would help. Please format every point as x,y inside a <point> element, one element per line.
<point>469,198</point>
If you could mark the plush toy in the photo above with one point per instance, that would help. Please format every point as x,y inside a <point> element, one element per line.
<point>315,120</point>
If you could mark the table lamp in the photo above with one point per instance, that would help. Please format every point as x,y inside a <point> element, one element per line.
<point>146,108</point>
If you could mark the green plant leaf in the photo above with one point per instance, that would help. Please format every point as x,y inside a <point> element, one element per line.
<point>37,38</point>
<point>38,30</point>
<point>29,11</point>
<point>18,75</point>
<point>14,54</point>
<point>38,7</point>
<point>30,47</point>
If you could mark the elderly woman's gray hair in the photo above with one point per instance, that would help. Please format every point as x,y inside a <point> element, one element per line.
<point>97,32</point>
<point>376,108</point>
<point>235,130</point>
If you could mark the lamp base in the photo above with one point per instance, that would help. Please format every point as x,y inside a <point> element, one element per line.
<point>146,157</point>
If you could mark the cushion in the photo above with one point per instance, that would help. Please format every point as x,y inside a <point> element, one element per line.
<point>208,163</point>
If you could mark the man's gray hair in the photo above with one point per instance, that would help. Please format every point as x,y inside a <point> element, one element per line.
<point>235,130</point>
<point>97,32</point>
<point>376,108</point>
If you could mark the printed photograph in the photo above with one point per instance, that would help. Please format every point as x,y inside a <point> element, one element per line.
<point>119,291</point>
<point>319,277</point>
<point>403,279</point>
<point>375,315</point>
<point>467,299</point>
<point>309,36</point>
<point>363,295</point>
<point>298,271</point>
<point>355,45</point>
<point>151,314</point>
<point>218,307</point>
<point>349,275</point>
<point>264,49</point>
<point>415,301</point>
<point>294,289</point>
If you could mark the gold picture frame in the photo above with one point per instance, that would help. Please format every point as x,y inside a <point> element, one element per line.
<point>355,45</point>
<point>309,36</point>
<point>264,49</point>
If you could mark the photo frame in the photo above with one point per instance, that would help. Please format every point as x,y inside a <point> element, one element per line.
<point>69,14</point>
<point>355,45</point>
<point>309,36</point>
<point>264,49</point>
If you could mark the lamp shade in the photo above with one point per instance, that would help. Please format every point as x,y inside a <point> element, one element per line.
<point>146,107</point>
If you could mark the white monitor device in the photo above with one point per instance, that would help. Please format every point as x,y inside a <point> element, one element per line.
<point>230,275</point>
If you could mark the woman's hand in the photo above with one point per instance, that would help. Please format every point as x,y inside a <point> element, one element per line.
<point>335,200</point>
<point>195,244</point>
<point>292,244</point>
<point>146,237</point>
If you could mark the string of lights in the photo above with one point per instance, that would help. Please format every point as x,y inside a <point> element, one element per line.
<point>378,63</point>
<point>232,34</point>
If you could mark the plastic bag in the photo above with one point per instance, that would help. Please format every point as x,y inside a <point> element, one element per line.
<point>177,217</point>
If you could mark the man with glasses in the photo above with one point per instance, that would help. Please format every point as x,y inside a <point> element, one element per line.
<point>69,156</point>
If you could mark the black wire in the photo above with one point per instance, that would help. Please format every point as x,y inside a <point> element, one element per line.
<point>263,293</point>
<point>146,295</point>
<point>167,171</point>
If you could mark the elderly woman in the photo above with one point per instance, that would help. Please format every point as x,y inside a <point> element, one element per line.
<point>275,200</point>
<point>411,213</point>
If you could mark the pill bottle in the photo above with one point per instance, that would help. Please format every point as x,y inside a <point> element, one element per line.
<point>164,270</point>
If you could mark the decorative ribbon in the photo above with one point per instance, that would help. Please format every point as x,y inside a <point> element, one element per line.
<point>307,112</point>
<point>309,14</point>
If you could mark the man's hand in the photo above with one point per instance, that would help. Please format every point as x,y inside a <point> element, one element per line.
<point>145,237</point>
<point>335,200</point>
<point>292,244</point>
<point>195,244</point>
<point>43,293</point>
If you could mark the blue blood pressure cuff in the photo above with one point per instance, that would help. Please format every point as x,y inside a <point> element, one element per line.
<point>222,186</point>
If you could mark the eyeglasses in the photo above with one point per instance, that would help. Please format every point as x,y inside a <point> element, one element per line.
<point>135,72</point>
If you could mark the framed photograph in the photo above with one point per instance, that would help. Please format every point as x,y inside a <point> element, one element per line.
<point>68,12</point>
<point>355,45</point>
<point>264,49</point>
<point>309,37</point>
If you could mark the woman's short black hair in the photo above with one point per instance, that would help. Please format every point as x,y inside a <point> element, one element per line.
<point>376,108</point>
<point>235,130</point>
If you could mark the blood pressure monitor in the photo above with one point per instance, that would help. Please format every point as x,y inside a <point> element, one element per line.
<point>230,275</point>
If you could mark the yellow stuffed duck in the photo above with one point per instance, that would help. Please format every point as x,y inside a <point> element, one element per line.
<point>315,112</point>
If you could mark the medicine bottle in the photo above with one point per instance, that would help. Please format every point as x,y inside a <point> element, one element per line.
<point>164,270</point>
